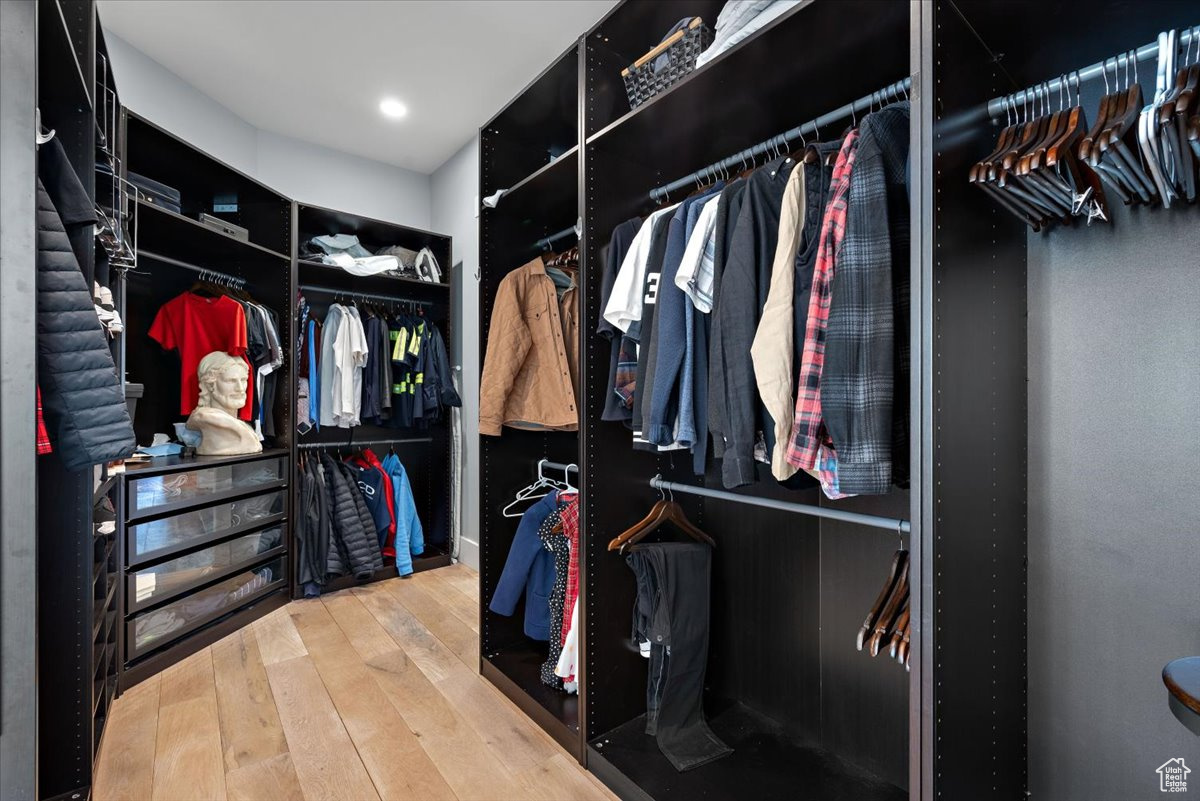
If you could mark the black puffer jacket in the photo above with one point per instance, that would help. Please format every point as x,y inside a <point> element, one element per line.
<point>358,550</point>
<point>82,401</point>
<point>338,557</point>
<point>312,528</point>
<point>371,560</point>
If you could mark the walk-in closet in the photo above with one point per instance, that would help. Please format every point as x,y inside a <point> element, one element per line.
<point>608,399</point>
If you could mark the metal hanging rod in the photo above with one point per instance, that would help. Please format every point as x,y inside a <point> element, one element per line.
<point>574,468</point>
<point>874,521</point>
<point>217,275</point>
<point>545,242</point>
<point>895,90</point>
<point>358,443</point>
<point>996,106</point>
<point>364,295</point>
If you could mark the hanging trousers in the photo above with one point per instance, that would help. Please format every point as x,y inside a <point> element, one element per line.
<point>670,622</point>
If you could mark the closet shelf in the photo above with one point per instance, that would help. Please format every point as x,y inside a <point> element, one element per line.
<point>319,271</point>
<point>170,464</point>
<point>556,711</point>
<point>712,96</point>
<point>432,558</point>
<point>542,175</point>
<point>164,231</point>
<point>546,199</point>
<point>766,763</point>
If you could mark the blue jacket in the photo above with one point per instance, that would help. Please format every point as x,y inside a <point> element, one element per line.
<point>410,536</point>
<point>529,569</point>
<point>373,491</point>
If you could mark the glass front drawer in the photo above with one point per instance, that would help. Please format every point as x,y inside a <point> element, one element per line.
<point>178,531</point>
<point>171,621</point>
<point>152,492</point>
<point>168,578</point>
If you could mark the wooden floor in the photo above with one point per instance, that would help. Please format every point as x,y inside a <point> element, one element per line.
<point>369,693</point>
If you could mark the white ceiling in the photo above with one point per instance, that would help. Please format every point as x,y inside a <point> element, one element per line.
<point>317,69</point>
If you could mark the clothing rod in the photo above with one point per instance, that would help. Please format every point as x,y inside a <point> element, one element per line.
<point>996,106</point>
<point>362,295</point>
<point>787,138</point>
<point>574,468</point>
<point>354,443</point>
<point>875,521</point>
<point>544,242</point>
<point>193,267</point>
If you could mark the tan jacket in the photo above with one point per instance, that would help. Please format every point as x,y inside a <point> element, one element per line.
<point>530,369</point>
<point>773,350</point>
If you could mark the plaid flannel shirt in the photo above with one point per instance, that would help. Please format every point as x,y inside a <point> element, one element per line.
<point>866,339</point>
<point>43,436</point>
<point>569,514</point>
<point>807,428</point>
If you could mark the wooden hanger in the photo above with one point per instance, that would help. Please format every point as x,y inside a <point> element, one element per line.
<point>888,616</point>
<point>664,511</point>
<point>899,562</point>
<point>1118,142</point>
<point>898,632</point>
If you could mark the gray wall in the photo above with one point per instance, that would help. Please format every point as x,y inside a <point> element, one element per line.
<point>300,170</point>
<point>455,205</point>
<point>1114,501</point>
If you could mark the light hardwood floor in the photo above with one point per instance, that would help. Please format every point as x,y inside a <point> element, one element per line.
<point>367,694</point>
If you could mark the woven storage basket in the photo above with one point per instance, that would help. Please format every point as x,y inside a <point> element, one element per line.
<point>667,64</point>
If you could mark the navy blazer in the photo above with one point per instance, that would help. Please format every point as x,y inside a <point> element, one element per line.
<point>529,569</point>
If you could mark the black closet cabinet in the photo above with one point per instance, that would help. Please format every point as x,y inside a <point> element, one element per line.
<point>425,453</point>
<point>1054,434</point>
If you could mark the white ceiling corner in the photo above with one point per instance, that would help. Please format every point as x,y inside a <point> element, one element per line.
<point>316,70</point>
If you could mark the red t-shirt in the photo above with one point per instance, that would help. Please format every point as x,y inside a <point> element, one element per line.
<point>196,326</point>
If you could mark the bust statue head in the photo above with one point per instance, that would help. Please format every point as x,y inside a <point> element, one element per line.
<point>223,382</point>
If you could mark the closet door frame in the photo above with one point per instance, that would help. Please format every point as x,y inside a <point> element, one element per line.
<point>18,363</point>
<point>921,681</point>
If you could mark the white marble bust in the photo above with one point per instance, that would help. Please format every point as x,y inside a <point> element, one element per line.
<point>223,384</point>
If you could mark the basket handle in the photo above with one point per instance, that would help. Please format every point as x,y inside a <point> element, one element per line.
<point>670,40</point>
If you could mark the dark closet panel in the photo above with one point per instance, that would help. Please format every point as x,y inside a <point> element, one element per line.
<point>1114,467</point>
<point>864,700</point>
<point>67,652</point>
<point>1107,345</point>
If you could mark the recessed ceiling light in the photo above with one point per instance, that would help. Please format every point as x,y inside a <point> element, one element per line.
<point>393,108</point>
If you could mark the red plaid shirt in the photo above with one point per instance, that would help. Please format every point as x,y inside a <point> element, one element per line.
<point>569,515</point>
<point>43,436</point>
<point>807,429</point>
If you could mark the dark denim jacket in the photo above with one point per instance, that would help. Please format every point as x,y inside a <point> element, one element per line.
<point>529,570</point>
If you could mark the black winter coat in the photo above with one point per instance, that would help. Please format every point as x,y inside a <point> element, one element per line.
<point>336,555</point>
<point>82,400</point>
<point>312,528</point>
<point>357,545</point>
<point>370,559</point>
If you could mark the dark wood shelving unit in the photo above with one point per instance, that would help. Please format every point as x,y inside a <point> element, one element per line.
<point>738,85</point>
<point>424,452</point>
<point>201,179</point>
<point>619,155</point>
<point>161,229</point>
<point>543,198</point>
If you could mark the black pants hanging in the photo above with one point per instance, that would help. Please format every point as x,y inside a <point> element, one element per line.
<point>670,617</point>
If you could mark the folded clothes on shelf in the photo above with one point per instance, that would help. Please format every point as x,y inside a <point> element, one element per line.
<point>345,251</point>
<point>159,194</point>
